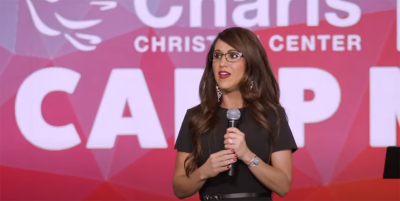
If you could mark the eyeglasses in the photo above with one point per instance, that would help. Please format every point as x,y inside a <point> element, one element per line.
<point>231,56</point>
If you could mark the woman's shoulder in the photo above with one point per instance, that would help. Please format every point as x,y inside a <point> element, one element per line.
<point>194,109</point>
<point>280,110</point>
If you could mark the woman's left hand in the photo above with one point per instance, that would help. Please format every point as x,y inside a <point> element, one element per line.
<point>235,139</point>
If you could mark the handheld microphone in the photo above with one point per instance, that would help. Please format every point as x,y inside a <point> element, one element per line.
<point>233,116</point>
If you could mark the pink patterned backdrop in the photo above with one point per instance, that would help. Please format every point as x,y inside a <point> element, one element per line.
<point>92,92</point>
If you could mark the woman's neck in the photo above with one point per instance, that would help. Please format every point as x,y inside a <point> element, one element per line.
<point>232,100</point>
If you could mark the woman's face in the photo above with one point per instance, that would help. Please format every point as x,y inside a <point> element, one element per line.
<point>228,66</point>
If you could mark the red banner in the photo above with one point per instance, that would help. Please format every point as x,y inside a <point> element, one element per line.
<point>93,92</point>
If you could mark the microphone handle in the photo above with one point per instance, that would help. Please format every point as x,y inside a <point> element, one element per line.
<point>232,169</point>
<point>233,123</point>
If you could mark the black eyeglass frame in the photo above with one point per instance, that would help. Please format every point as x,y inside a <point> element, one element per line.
<point>211,56</point>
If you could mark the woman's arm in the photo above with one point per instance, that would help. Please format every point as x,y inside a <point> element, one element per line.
<point>217,162</point>
<point>277,177</point>
<point>186,186</point>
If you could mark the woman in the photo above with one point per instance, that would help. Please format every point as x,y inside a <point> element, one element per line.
<point>237,75</point>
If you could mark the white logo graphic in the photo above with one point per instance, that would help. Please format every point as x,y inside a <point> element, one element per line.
<point>93,40</point>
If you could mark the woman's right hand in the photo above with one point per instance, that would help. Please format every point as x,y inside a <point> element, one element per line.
<point>218,162</point>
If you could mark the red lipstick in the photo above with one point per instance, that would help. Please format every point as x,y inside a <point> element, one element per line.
<point>224,74</point>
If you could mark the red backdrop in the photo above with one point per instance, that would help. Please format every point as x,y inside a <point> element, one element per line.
<point>93,92</point>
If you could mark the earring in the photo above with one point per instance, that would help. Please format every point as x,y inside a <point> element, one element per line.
<point>251,84</point>
<point>219,92</point>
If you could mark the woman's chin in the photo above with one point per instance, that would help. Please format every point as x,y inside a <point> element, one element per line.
<point>229,89</point>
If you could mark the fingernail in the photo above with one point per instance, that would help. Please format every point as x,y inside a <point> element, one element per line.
<point>228,166</point>
<point>236,155</point>
<point>234,159</point>
<point>232,150</point>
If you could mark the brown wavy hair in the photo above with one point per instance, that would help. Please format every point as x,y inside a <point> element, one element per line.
<point>263,96</point>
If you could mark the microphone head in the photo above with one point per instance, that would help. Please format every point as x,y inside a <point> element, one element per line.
<point>233,114</point>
